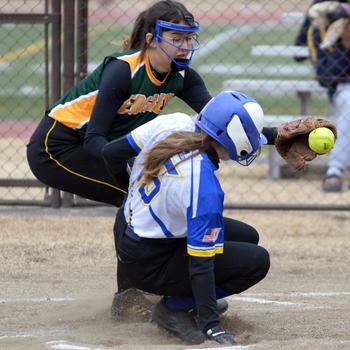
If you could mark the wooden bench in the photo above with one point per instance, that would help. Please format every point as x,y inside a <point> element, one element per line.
<point>277,87</point>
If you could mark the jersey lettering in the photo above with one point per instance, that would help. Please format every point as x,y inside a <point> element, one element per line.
<point>139,103</point>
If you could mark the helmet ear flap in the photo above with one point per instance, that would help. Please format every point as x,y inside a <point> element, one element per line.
<point>256,113</point>
<point>239,137</point>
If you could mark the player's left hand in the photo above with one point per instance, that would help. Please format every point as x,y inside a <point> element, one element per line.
<point>292,140</point>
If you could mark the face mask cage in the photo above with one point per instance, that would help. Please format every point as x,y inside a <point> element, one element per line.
<point>190,29</point>
<point>250,159</point>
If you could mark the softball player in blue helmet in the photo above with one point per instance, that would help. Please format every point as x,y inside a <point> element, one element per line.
<point>173,239</point>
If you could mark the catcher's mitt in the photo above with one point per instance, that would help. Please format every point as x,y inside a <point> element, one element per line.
<point>292,140</point>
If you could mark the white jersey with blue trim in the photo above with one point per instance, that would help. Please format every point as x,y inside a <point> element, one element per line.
<point>185,199</point>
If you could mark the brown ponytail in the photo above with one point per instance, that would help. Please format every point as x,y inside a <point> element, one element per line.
<point>177,142</point>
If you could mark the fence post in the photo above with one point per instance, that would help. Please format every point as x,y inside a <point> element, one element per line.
<point>68,64</point>
<point>82,39</point>
<point>55,197</point>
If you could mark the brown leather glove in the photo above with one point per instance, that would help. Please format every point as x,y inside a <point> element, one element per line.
<point>292,140</point>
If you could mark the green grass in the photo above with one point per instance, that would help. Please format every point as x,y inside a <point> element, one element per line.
<point>107,38</point>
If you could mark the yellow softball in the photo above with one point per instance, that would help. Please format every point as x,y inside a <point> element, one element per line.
<point>321,140</point>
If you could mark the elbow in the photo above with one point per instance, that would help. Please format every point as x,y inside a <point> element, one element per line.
<point>106,153</point>
<point>87,146</point>
<point>93,145</point>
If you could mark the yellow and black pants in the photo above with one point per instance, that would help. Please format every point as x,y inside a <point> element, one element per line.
<point>57,158</point>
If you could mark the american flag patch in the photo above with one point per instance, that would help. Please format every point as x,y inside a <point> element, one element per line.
<point>211,234</point>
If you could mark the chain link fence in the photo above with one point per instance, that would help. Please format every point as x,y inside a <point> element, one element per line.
<point>245,45</point>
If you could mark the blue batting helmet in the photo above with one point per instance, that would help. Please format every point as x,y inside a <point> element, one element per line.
<point>235,120</point>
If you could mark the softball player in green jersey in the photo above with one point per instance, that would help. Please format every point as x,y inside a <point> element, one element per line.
<point>125,91</point>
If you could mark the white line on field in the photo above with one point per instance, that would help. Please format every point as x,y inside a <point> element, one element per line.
<point>265,301</point>
<point>296,294</point>
<point>233,347</point>
<point>24,335</point>
<point>63,345</point>
<point>319,294</point>
<point>36,300</point>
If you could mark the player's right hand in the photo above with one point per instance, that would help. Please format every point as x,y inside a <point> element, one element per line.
<point>221,336</point>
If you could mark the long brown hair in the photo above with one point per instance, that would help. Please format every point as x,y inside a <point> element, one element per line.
<point>176,142</point>
<point>166,10</point>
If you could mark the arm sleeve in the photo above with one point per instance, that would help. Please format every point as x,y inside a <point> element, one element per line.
<point>194,93</point>
<point>205,239</point>
<point>113,91</point>
<point>148,132</point>
<point>115,154</point>
<point>203,286</point>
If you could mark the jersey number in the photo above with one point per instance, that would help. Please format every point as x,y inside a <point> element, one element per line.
<point>149,191</point>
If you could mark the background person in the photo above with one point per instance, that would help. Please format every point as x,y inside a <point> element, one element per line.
<point>331,61</point>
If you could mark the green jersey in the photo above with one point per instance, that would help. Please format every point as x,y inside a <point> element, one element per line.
<point>147,96</point>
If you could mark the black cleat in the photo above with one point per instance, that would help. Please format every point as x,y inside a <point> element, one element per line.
<point>179,323</point>
<point>221,336</point>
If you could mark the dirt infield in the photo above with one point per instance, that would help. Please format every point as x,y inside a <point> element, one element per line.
<point>58,277</point>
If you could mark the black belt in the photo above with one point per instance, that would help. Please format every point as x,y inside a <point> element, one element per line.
<point>130,234</point>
